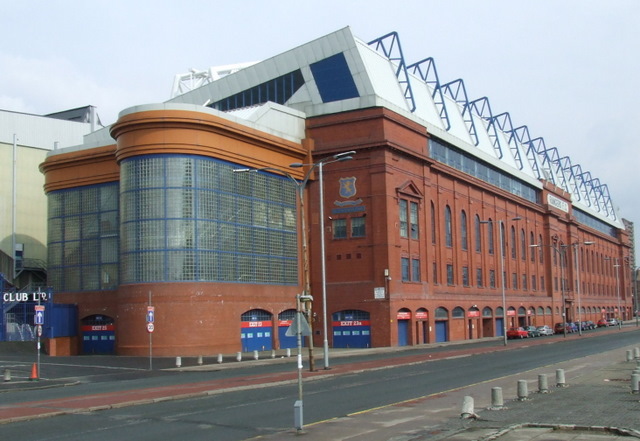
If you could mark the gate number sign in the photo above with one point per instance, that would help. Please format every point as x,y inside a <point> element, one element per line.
<point>39,315</point>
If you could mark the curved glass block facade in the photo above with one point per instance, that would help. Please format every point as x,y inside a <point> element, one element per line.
<point>83,240</point>
<point>191,218</point>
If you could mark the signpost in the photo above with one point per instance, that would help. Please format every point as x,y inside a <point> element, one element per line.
<point>38,318</point>
<point>151,316</point>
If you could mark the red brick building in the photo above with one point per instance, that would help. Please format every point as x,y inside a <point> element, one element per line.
<point>153,212</point>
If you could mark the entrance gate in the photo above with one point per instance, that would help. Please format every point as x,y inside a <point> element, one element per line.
<point>98,335</point>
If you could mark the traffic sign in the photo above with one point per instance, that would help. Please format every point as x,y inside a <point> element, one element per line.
<point>39,315</point>
<point>150,328</point>
<point>151,312</point>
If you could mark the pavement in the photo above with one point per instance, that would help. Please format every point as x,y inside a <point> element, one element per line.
<point>595,403</point>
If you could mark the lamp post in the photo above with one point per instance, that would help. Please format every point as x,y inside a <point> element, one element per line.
<point>563,260</point>
<point>345,156</point>
<point>575,246</point>
<point>616,266</point>
<point>502,275</point>
<point>634,287</point>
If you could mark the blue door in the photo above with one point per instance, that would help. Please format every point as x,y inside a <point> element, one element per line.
<point>403,332</point>
<point>98,335</point>
<point>255,333</point>
<point>441,331</point>
<point>500,327</point>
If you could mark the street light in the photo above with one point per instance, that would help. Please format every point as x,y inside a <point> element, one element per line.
<point>344,156</point>
<point>616,266</point>
<point>502,277</point>
<point>563,261</point>
<point>634,286</point>
<point>577,266</point>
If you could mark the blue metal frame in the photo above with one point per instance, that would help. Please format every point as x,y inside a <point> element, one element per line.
<point>456,90</point>
<point>394,54</point>
<point>504,123</point>
<point>430,76</point>
<point>482,108</point>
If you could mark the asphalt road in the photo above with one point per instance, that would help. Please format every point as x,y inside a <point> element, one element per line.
<point>243,414</point>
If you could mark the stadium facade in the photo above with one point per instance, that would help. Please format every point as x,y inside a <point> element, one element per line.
<point>449,223</point>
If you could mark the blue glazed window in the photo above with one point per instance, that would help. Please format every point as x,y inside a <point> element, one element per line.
<point>334,79</point>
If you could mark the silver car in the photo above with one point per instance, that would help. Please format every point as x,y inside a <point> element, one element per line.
<point>545,330</point>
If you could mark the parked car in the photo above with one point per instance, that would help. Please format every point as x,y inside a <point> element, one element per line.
<point>612,322</point>
<point>545,330</point>
<point>517,333</point>
<point>559,328</point>
<point>602,323</point>
<point>532,331</point>
<point>590,324</point>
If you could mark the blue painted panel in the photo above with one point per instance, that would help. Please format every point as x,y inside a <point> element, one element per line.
<point>333,79</point>
<point>441,332</point>
<point>403,332</point>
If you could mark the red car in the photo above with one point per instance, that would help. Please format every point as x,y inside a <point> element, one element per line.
<point>602,323</point>
<point>517,333</point>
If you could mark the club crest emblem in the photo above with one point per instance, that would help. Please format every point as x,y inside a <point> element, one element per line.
<point>348,187</point>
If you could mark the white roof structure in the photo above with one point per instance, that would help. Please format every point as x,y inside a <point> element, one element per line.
<point>339,72</point>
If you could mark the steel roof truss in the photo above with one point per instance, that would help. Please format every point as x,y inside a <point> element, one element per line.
<point>426,69</point>
<point>393,51</point>
<point>456,90</point>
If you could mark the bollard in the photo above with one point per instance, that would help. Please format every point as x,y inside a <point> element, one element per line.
<point>560,378</point>
<point>178,361</point>
<point>288,352</point>
<point>199,360</point>
<point>239,356</point>
<point>543,384</point>
<point>496,398</point>
<point>220,358</point>
<point>467,408</point>
<point>298,417</point>
<point>635,383</point>
<point>256,356</point>
<point>273,353</point>
<point>629,355</point>
<point>523,391</point>
<point>636,353</point>
<point>7,375</point>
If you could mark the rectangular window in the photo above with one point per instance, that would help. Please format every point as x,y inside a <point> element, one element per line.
<point>465,276</point>
<point>492,278</point>
<point>449,274</point>
<point>403,218</point>
<point>415,270</point>
<point>413,219</point>
<point>339,227</point>
<point>524,282</point>
<point>534,283</point>
<point>435,273</point>
<point>405,268</point>
<point>358,227</point>
<point>479,281</point>
<point>542,282</point>
<point>514,280</point>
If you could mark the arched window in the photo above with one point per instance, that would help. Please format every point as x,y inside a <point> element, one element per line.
<point>490,236</point>
<point>442,313</point>
<point>433,223</point>
<point>463,231</point>
<point>457,312</point>
<point>478,237</point>
<point>523,245</point>
<point>448,231</point>
<point>532,242</point>
<point>541,255</point>
<point>487,312</point>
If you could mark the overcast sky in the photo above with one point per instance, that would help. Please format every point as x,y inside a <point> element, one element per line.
<point>567,69</point>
